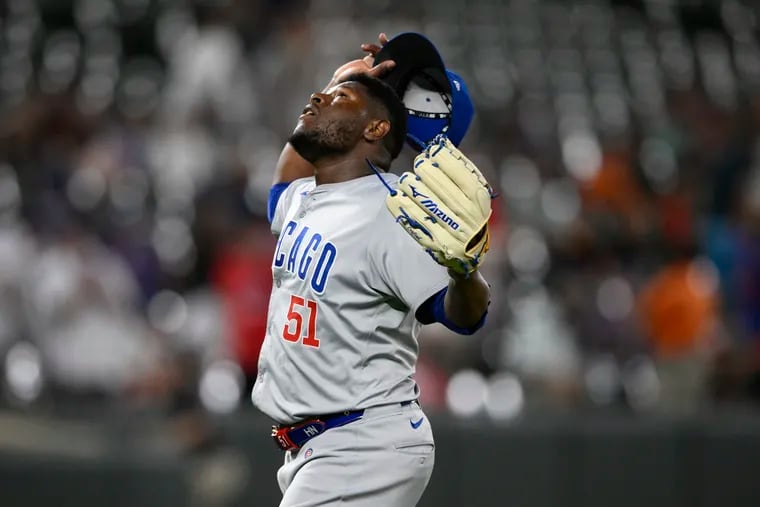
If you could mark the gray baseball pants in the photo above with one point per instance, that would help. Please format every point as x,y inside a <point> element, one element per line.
<point>384,459</point>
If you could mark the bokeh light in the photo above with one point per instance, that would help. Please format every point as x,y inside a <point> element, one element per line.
<point>86,188</point>
<point>615,298</point>
<point>220,387</point>
<point>60,61</point>
<point>466,393</point>
<point>519,178</point>
<point>23,372</point>
<point>504,398</point>
<point>602,379</point>
<point>173,243</point>
<point>167,312</point>
<point>560,202</point>
<point>527,252</point>
<point>641,383</point>
<point>581,154</point>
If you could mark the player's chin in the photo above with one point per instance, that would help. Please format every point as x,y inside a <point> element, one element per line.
<point>301,131</point>
<point>305,122</point>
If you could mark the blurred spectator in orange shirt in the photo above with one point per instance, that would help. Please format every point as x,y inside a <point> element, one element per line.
<point>613,187</point>
<point>678,307</point>
<point>678,313</point>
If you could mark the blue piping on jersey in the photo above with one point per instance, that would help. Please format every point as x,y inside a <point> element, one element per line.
<point>274,196</point>
<point>434,307</point>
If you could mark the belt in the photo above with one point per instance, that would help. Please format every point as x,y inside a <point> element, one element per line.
<point>290,438</point>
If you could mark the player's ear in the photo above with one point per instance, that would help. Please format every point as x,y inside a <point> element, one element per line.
<point>376,130</point>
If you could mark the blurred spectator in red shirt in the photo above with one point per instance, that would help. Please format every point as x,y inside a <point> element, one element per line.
<point>242,275</point>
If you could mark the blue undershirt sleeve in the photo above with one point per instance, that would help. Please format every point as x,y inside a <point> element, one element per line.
<point>274,196</point>
<point>433,310</point>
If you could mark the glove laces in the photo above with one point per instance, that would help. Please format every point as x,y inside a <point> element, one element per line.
<point>377,173</point>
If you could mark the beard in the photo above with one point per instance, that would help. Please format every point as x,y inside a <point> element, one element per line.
<point>334,138</point>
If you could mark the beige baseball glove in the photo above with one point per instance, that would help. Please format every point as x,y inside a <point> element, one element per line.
<point>445,205</point>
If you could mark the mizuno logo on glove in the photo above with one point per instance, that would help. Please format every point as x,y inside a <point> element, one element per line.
<point>416,193</point>
<point>433,207</point>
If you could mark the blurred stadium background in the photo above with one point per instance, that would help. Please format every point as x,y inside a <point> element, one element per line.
<point>621,361</point>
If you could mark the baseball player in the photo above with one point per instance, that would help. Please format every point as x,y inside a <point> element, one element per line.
<point>363,259</point>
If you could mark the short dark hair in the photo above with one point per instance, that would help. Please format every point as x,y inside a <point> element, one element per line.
<point>387,98</point>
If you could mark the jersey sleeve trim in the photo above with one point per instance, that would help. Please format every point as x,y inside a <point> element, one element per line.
<point>434,310</point>
<point>274,197</point>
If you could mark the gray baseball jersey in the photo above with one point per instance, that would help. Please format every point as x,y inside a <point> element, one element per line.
<point>341,332</point>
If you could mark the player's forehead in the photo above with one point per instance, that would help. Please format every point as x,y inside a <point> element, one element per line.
<point>353,86</point>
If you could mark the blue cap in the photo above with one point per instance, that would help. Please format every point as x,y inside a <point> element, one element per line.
<point>436,99</point>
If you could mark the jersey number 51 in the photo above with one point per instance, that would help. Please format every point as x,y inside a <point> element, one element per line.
<point>293,329</point>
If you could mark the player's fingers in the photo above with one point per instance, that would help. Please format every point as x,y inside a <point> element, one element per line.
<point>456,166</point>
<point>372,49</point>
<point>452,196</point>
<point>383,39</point>
<point>381,69</point>
<point>445,146</point>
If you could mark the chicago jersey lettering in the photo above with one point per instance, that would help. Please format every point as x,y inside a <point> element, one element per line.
<point>299,261</point>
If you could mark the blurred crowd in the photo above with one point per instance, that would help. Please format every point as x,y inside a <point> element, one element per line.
<point>138,138</point>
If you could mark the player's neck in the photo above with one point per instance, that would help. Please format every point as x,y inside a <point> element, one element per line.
<point>338,170</point>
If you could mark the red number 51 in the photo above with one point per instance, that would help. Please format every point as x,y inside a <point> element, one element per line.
<point>292,330</point>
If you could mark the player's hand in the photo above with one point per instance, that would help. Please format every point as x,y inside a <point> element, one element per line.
<point>365,65</point>
<point>445,205</point>
<point>374,49</point>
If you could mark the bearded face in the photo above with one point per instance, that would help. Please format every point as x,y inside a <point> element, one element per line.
<point>318,136</point>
